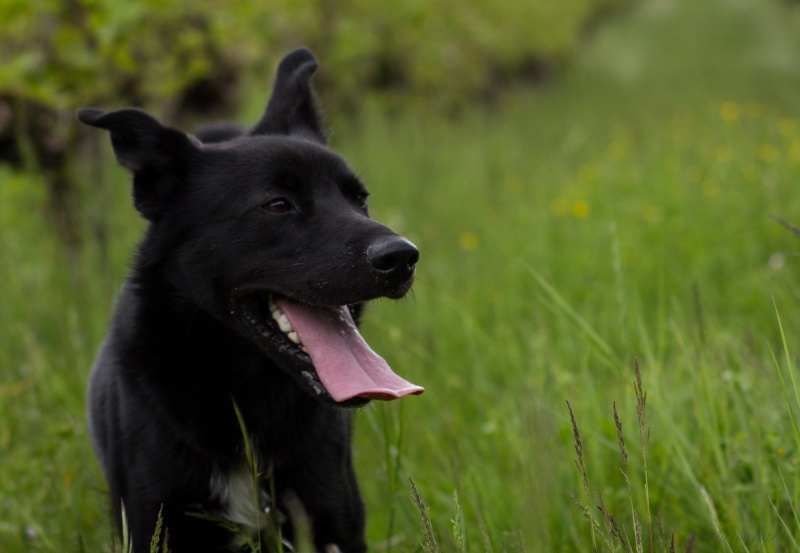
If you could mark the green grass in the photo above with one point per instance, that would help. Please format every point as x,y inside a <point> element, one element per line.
<point>620,213</point>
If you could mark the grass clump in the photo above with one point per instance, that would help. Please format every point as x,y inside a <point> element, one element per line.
<point>458,535</point>
<point>617,535</point>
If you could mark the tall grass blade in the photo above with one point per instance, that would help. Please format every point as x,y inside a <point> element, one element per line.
<point>791,408</point>
<point>715,519</point>
<point>619,277</point>
<point>784,387</point>
<point>459,531</point>
<point>792,504</point>
<point>788,225</point>
<point>127,544</point>
<point>255,484</point>
<point>744,541</point>
<point>602,347</point>
<point>392,446</point>
<point>303,542</point>
<point>789,533</point>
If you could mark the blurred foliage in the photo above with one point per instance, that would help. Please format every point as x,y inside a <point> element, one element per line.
<point>66,53</point>
<point>186,61</point>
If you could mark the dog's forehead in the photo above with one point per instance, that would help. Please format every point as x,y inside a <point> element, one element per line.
<point>285,154</point>
<point>241,173</point>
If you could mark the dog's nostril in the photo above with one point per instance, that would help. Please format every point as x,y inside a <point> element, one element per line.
<point>412,260</point>
<point>385,263</point>
<point>393,257</point>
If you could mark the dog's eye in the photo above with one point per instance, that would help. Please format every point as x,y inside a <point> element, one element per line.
<point>361,200</point>
<point>278,205</point>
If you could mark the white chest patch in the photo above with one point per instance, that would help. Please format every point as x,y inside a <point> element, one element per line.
<point>244,506</point>
<point>241,504</point>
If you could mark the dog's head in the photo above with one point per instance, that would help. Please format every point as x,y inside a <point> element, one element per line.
<point>269,232</point>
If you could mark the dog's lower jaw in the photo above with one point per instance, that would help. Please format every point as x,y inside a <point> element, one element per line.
<point>254,313</point>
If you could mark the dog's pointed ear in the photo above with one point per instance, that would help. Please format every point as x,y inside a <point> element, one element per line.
<point>158,156</point>
<point>293,108</point>
<point>139,140</point>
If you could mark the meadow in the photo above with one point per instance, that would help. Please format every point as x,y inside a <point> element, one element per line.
<point>623,214</point>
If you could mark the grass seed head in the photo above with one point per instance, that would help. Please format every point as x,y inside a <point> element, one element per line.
<point>660,526</point>
<point>620,440</point>
<point>487,542</point>
<point>612,528</point>
<point>579,463</point>
<point>641,404</point>
<point>637,533</point>
<point>690,543</point>
<point>429,544</point>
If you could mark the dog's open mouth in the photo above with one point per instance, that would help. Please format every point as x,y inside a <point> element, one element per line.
<point>334,359</point>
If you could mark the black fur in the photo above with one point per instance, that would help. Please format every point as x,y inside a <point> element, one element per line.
<point>273,211</point>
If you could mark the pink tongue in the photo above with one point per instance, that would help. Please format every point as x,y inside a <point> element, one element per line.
<point>346,365</point>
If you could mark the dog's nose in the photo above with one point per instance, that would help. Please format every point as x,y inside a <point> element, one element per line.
<point>393,258</point>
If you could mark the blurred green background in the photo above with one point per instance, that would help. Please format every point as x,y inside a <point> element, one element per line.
<point>589,183</point>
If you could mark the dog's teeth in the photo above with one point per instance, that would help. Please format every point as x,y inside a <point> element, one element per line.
<point>302,347</point>
<point>283,323</point>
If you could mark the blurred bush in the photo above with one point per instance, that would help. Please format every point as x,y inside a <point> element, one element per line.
<point>184,58</point>
<point>64,53</point>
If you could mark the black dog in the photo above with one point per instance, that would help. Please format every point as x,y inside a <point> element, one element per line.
<point>257,259</point>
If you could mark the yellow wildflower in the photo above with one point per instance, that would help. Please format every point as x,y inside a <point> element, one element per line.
<point>580,209</point>
<point>724,154</point>
<point>729,111</point>
<point>616,151</point>
<point>513,182</point>
<point>588,173</point>
<point>794,151</point>
<point>651,214</point>
<point>751,173</point>
<point>787,127</point>
<point>711,187</point>
<point>468,241</point>
<point>767,153</point>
